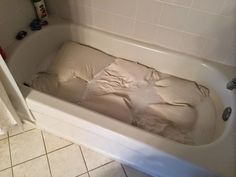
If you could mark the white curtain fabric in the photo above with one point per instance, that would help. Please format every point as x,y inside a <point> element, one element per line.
<point>8,115</point>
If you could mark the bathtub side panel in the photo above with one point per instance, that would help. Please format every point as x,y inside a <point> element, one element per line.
<point>156,164</point>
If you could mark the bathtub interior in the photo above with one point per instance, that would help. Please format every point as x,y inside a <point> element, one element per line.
<point>37,52</point>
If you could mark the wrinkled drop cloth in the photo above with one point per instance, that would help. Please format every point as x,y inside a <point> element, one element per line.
<point>128,91</point>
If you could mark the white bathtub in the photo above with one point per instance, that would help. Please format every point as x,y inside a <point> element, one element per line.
<point>150,153</point>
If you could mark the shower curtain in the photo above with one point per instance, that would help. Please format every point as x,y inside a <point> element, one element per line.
<point>8,115</point>
<point>13,108</point>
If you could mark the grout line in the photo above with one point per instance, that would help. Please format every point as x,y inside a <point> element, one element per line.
<point>59,148</point>
<point>3,138</point>
<point>45,154</point>
<point>4,169</point>
<point>83,174</point>
<point>49,167</point>
<point>24,131</point>
<point>101,165</point>
<point>84,160</point>
<point>28,160</point>
<point>9,147</point>
<point>124,170</point>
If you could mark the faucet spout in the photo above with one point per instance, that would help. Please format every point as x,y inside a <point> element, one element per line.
<point>231,84</point>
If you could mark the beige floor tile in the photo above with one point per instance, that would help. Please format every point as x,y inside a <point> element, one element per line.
<point>26,126</point>
<point>131,172</point>
<point>94,159</point>
<point>5,161</point>
<point>84,175</point>
<point>67,162</point>
<point>34,168</point>
<point>3,136</point>
<point>53,142</point>
<point>112,169</point>
<point>26,146</point>
<point>6,173</point>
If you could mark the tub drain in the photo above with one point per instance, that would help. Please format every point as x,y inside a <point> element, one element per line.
<point>226,114</point>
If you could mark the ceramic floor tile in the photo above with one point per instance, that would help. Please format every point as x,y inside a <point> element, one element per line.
<point>134,173</point>
<point>34,168</point>
<point>6,173</point>
<point>26,146</point>
<point>26,126</point>
<point>3,136</point>
<point>84,175</point>
<point>112,169</point>
<point>67,162</point>
<point>53,142</point>
<point>5,161</point>
<point>94,159</point>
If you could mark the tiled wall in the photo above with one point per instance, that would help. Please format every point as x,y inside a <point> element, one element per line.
<point>205,28</point>
<point>15,15</point>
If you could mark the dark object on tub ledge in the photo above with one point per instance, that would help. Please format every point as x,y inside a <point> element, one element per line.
<point>37,24</point>
<point>231,84</point>
<point>21,35</point>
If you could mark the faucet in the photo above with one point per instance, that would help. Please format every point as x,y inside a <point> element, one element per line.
<point>231,84</point>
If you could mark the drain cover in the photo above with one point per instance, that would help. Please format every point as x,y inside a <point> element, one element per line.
<point>226,114</point>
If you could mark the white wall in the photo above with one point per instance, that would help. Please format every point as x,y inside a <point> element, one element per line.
<point>15,15</point>
<point>205,28</point>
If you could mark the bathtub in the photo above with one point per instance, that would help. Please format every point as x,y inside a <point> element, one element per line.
<point>150,153</point>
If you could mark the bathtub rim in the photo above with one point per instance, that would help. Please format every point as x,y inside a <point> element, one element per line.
<point>228,73</point>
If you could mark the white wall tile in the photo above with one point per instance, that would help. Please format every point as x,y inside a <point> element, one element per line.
<point>102,20</point>
<point>167,37</point>
<point>229,8</point>
<point>149,11</point>
<point>144,32</point>
<point>186,3</point>
<point>173,16</point>
<point>123,26</point>
<point>194,44</point>
<point>209,19</point>
<point>124,7</point>
<point>208,5</point>
<point>201,23</point>
<point>85,16</point>
<point>102,4</point>
<point>217,50</point>
<point>14,16</point>
<point>84,2</point>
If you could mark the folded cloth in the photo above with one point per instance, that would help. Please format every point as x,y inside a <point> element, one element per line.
<point>74,60</point>
<point>179,91</point>
<point>129,92</point>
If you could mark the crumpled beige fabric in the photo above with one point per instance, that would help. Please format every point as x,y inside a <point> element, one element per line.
<point>74,60</point>
<point>111,105</point>
<point>45,82</point>
<point>130,92</point>
<point>179,91</point>
<point>71,90</point>
<point>159,103</point>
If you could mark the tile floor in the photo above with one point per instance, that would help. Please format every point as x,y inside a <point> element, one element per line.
<point>35,153</point>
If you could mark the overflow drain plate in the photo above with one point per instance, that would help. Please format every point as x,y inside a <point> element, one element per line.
<point>226,114</point>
